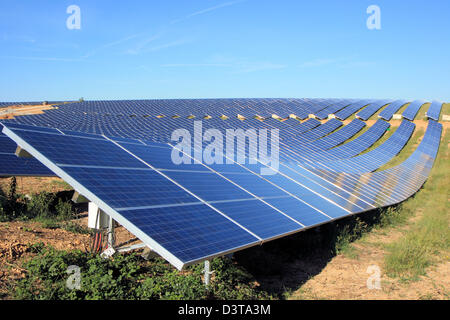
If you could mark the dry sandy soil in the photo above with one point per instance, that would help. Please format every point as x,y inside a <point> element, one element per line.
<point>14,111</point>
<point>346,278</point>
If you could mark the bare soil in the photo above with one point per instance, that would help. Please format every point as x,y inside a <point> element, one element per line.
<point>14,111</point>
<point>30,185</point>
<point>346,277</point>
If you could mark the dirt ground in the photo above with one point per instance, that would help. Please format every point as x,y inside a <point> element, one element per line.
<point>29,185</point>
<point>346,278</point>
<point>14,111</point>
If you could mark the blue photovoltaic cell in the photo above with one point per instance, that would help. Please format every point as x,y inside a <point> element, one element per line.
<point>298,210</point>
<point>11,165</point>
<point>33,128</point>
<point>259,218</point>
<point>69,150</point>
<point>190,232</point>
<point>121,188</point>
<point>160,157</point>
<point>208,186</point>
<point>7,145</point>
<point>308,196</point>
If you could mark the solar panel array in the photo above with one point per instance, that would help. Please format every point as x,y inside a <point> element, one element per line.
<point>118,155</point>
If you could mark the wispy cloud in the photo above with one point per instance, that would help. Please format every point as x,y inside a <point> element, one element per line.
<point>219,6</point>
<point>142,44</point>
<point>210,9</point>
<point>168,45</point>
<point>139,47</point>
<point>111,44</point>
<point>143,48</point>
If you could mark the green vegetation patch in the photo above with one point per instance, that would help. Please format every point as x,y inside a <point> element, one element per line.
<point>127,276</point>
<point>429,237</point>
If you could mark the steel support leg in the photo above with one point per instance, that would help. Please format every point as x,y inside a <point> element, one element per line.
<point>111,236</point>
<point>208,273</point>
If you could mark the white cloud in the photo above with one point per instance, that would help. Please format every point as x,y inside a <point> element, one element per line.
<point>223,5</point>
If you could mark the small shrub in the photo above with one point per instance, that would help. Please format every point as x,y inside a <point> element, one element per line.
<point>11,206</point>
<point>64,210</point>
<point>39,205</point>
<point>49,223</point>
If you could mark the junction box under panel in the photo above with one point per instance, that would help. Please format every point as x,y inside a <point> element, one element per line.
<point>97,219</point>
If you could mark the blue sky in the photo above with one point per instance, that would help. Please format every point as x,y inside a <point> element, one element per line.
<point>220,48</point>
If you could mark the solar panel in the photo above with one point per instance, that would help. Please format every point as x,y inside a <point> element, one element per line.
<point>392,108</point>
<point>434,110</point>
<point>351,109</point>
<point>118,155</point>
<point>373,159</point>
<point>371,109</point>
<point>11,165</point>
<point>411,111</point>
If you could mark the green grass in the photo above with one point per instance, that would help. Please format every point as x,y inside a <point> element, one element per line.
<point>429,238</point>
<point>61,183</point>
<point>445,110</point>
<point>421,113</point>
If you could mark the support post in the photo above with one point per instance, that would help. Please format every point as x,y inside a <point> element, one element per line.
<point>78,198</point>
<point>208,273</point>
<point>111,235</point>
<point>110,250</point>
<point>22,153</point>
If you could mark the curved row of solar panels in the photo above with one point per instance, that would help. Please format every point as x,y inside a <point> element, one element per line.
<point>121,158</point>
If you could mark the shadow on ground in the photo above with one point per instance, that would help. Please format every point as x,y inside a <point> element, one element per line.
<point>285,264</point>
